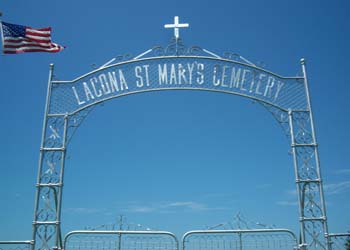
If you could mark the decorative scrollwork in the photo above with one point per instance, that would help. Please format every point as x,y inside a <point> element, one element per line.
<point>280,116</point>
<point>195,50</point>
<point>302,123</point>
<point>314,231</point>
<point>48,204</point>
<point>158,51</point>
<point>177,48</point>
<point>76,120</point>
<point>51,167</point>
<point>231,56</point>
<point>238,58</point>
<point>311,205</point>
<point>54,132</point>
<point>306,163</point>
<point>122,58</point>
<point>46,235</point>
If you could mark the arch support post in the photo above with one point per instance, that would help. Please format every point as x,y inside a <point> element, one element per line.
<point>312,210</point>
<point>47,208</point>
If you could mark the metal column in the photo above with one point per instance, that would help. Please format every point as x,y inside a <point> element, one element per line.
<point>47,210</point>
<point>313,220</point>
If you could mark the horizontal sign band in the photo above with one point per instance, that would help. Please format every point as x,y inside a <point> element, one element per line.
<point>177,73</point>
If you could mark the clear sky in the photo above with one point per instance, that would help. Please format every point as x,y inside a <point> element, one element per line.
<point>176,161</point>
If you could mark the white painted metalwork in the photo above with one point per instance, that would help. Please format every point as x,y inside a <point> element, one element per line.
<point>177,67</point>
<point>273,239</point>
<point>16,245</point>
<point>340,241</point>
<point>69,102</point>
<point>176,25</point>
<point>120,240</point>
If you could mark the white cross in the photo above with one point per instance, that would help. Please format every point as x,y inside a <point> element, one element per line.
<point>176,26</point>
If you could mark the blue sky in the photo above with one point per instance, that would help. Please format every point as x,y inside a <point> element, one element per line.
<point>176,161</point>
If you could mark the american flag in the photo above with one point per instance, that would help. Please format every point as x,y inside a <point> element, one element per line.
<point>19,39</point>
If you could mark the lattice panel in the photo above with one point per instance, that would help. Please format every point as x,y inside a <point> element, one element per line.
<point>314,235</point>
<point>47,209</point>
<point>306,162</point>
<point>302,123</point>
<point>51,167</point>
<point>46,237</point>
<point>54,132</point>
<point>305,151</point>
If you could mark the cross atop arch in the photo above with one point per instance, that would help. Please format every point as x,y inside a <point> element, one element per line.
<point>176,25</point>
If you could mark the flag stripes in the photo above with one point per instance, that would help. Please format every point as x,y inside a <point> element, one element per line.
<point>20,39</point>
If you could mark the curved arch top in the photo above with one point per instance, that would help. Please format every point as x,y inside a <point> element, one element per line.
<point>173,73</point>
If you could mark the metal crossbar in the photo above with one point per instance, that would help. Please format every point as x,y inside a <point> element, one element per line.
<point>120,240</point>
<point>280,239</point>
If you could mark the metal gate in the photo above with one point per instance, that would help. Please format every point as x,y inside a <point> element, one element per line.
<point>340,241</point>
<point>16,245</point>
<point>273,239</point>
<point>280,239</point>
<point>120,240</point>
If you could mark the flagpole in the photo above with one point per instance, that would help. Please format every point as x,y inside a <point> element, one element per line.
<point>1,32</point>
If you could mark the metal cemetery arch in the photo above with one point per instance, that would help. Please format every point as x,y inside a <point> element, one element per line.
<point>178,68</point>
